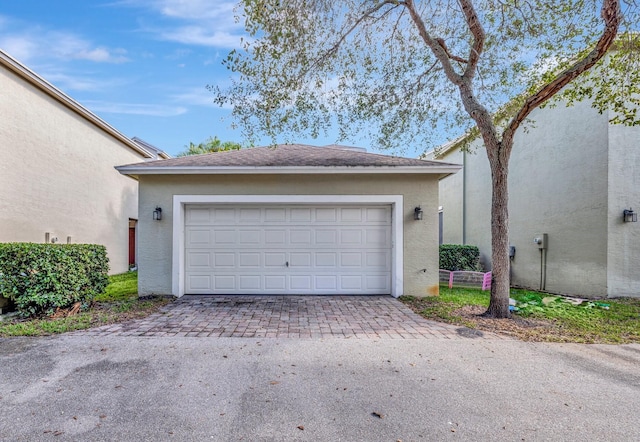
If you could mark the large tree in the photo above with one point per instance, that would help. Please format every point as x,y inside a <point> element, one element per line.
<point>406,70</point>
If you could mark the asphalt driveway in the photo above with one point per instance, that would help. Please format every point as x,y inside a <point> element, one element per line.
<point>113,387</point>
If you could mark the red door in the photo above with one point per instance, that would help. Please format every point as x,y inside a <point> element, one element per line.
<point>132,246</point>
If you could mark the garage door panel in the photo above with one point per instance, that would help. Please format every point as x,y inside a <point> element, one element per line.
<point>198,216</point>
<point>327,237</point>
<point>250,215</point>
<point>199,237</point>
<point>378,260</point>
<point>326,259</point>
<point>326,283</point>
<point>300,259</point>
<point>326,215</point>
<point>249,260</point>
<point>222,259</point>
<point>275,215</point>
<point>275,237</point>
<point>351,259</point>
<point>275,282</point>
<point>351,282</point>
<point>377,215</point>
<point>301,282</point>
<point>300,237</point>
<point>251,237</point>
<point>224,282</point>
<point>223,215</point>
<point>199,260</point>
<point>272,259</point>
<point>224,237</point>
<point>351,215</point>
<point>199,282</point>
<point>249,282</point>
<point>288,250</point>
<point>351,236</point>
<point>377,282</point>
<point>301,215</point>
<point>377,237</point>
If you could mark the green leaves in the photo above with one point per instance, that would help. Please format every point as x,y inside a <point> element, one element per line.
<point>213,144</point>
<point>363,66</point>
<point>42,277</point>
<point>459,257</point>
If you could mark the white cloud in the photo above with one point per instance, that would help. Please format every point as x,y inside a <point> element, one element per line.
<point>27,42</point>
<point>201,36</point>
<point>193,22</point>
<point>197,9</point>
<point>20,48</point>
<point>198,96</point>
<point>75,83</point>
<point>155,110</point>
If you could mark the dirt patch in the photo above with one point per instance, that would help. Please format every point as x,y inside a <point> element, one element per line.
<point>521,328</point>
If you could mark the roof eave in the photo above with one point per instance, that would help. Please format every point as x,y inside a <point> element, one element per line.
<point>134,170</point>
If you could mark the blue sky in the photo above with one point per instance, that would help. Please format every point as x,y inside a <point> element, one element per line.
<point>141,65</point>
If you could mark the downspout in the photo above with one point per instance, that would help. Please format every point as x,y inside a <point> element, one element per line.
<point>464,197</point>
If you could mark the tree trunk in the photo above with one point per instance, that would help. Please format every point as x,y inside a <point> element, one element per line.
<point>499,304</point>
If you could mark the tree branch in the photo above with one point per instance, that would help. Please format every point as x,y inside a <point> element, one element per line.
<point>438,50</point>
<point>476,29</point>
<point>332,50</point>
<point>611,16</point>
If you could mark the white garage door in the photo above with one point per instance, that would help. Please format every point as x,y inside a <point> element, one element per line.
<point>288,249</point>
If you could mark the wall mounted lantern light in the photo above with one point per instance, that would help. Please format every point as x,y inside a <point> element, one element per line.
<point>157,214</point>
<point>417,213</point>
<point>629,216</point>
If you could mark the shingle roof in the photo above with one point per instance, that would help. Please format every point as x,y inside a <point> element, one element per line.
<point>288,155</point>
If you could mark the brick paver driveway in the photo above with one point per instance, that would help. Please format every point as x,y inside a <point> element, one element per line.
<point>290,317</point>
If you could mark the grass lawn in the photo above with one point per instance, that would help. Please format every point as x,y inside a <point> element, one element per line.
<point>119,303</point>
<point>540,316</point>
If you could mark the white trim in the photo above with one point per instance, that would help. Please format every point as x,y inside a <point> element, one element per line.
<point>234,170</point>
<point>397,233</point>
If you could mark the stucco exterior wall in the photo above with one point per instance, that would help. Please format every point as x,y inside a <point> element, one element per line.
<point>623,248</point>
<point>420,237</point>
<point>558,178</point>
<point>451,200</point>
<point>57,175</point>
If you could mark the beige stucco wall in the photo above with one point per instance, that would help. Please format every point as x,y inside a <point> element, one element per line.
<point>558,177</point>
<point>452,201</point>
<point>420,238</point>
<point>623,248</point>
<point>57,175</point>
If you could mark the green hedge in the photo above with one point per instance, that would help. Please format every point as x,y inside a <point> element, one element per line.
<point>39,278</point>
<point>459,257</point>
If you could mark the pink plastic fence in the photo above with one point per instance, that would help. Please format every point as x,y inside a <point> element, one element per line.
<point>464,278</point>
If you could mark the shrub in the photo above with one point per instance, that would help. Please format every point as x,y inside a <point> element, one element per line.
<point>40,278</point>
<point>458,257</point>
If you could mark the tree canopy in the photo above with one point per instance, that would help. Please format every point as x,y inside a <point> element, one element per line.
<point>386,68</point>
<point>212,144</point>
<point>406,71</point>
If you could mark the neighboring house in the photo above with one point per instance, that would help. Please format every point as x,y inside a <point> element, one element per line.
<point>571,176</point>
<point>57,176</point>
<point>293,219</point>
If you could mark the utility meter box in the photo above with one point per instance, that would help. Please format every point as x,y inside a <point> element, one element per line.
<point>541,240</point>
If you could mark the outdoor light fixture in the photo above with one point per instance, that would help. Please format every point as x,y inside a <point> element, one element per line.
<point>629,216</point>
<point>157,214</point>
<point>417,213</point>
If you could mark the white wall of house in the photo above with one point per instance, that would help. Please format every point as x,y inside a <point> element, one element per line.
<point>57,174</point>
<point>571,174</point>
<point>420,238</point>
